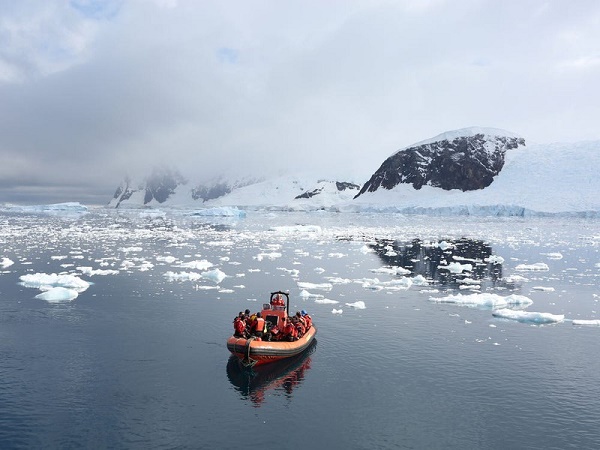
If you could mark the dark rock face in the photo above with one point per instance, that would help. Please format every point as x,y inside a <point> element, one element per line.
<point>206,193</point>
<point>467,163</point>
<point>161,184</point>
<point>340,186</point>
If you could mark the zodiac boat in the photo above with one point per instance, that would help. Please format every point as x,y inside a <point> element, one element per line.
<point>254,351</point>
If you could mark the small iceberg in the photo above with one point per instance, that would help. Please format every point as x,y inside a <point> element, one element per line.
<point>43,280</point>
<point>357,305</point>
<point>528,316</point>
<point>58,294</point>
<point>224,211</point>
<point>484,300</point>
<point>593,322</point>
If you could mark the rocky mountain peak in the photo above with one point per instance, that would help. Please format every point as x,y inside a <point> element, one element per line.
<point>467,159</point>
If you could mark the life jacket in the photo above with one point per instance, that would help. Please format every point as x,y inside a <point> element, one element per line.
<point>308,321</point>
<point>239,325</point>
<point>259,325</point>
<point>290,330</point>
<point>300,328</point>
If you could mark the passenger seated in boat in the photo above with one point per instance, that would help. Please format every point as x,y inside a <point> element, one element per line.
<point>307,319</point>
<point>299,325</point>
<point>258,326</point>
<point>239,326</point>
<point>289,331</point>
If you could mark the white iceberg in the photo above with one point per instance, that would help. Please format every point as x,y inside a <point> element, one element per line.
<point>484,300</point>
<point>357,305</point>
<point>6,263</point>
<point>594,322</point>
<point>528,316</point>
<point>58,294</point>
<point>214,275</point>
<point>224,211</point>
<point>532,267</point>
<point>48,280</point>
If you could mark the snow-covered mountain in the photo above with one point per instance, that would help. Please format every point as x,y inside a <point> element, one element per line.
<point>481,171</point>
<point>466,159</point>
<point>166,187</point>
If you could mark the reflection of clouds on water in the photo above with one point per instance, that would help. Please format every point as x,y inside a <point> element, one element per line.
<point>449,262</point>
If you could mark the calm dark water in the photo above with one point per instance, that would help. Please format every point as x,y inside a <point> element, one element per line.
<point>139,360</point>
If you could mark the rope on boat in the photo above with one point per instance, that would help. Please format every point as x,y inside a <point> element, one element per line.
<point>247,361</point>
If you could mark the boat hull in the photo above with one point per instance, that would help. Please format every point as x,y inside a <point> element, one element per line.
<point>253,352</point>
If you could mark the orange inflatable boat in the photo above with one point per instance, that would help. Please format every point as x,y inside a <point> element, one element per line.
<point>253,351</point>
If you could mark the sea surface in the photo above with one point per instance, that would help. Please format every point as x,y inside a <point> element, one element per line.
<point>139,359</point>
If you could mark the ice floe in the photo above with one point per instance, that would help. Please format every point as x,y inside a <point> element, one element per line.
<point>326,301</point>
<point>528,316</point>
<point>532,267</point>
<point>58,294</point>
<point>337,311</point>
<point>484,300</point>
<point>5,263</point>
<point>224,211</point>
<point>48,280</point>
<point>593,322</point>
<point>357,305</point>
<point>318,286</point>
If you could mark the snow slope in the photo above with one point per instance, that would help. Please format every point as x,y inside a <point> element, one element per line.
<point>536,180</point>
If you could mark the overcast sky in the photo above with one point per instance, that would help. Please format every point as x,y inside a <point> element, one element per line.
<point>91,90</point>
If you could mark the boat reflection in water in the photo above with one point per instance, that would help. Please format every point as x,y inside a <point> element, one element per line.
<point>284,375</point>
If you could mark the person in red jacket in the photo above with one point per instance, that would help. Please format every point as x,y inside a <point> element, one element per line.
<point>307,319</point>
<point>239,326</point>
<point>289,331</point>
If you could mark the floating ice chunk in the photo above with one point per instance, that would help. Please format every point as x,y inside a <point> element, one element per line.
<point>456,267</point>
<point>420,280</point>
<point>130,249</point>
<point>167,259</point>
<point>40,280</point>
<point>297,229</point>
<point>224,211</point>
<point>58,294</point>
<point>532,267</point>
<point>326,301</point>
<point>6,263</point>
<point>292,272</point>
<point>494,259</point>
<point>528,316</point>
<point>319,269</point>
<point>271,256</point>
<point>357,305</point>
<point>337,311</point>
<point>89,271</point>
<point>553,255</point>
<point>214,275</point>
<point>484,300</point>
<point>445,245</point>
<point>320,286</point>
<point>515,279</point>
<point>197,265</point>
<point>306,294</point>
<point>543,288</point>
<point>366,249</point>
<point>338,280</point>
<point>182,276</point>
<point>392,270</point>
<point>337,255</point>
<point>595,322</point>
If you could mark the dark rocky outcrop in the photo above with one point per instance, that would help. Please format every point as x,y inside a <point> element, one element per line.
<point>339,186</point>
<point>466,162</point>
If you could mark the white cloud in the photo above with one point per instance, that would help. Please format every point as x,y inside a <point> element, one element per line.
<point>107,87</point>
